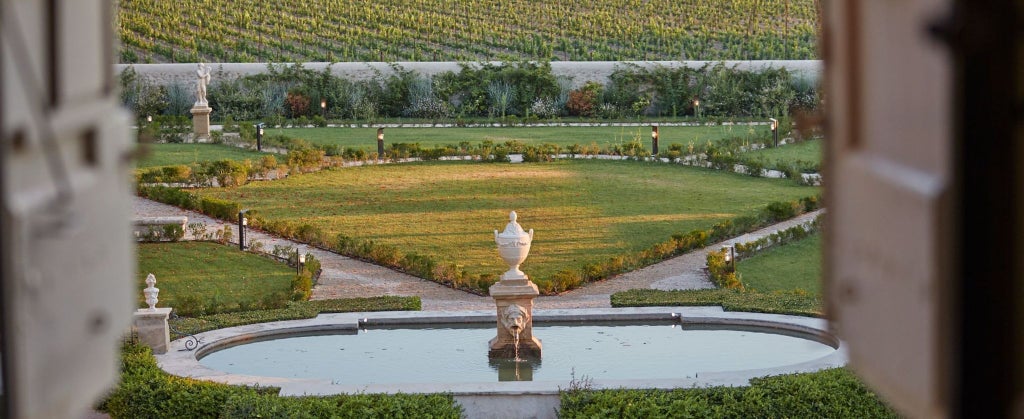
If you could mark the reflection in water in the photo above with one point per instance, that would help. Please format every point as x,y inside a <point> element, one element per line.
<point>515,370</point>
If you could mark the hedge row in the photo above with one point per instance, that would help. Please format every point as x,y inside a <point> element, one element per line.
<point>797,303</point>
<point>834,393</point>
<point>146,391</point>
<point>296,310</point>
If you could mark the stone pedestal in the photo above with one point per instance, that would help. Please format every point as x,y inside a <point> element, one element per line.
<point>151,326</point>
<point>514,298</point>
<point>201,121</point>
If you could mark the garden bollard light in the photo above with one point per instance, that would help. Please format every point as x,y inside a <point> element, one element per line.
<point>259,136</point>
<point>654,140</point>
<point>380,143</point>
<point>300,259</point>
<point>242,222</point>
<point>774,124</point>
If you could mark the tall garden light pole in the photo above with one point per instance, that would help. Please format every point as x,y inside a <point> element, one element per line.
<point>380,143</point>
<point>654,140</point>
<point>696,108</point>
<point>323,108</point>
<point>259,136</point>
<point>242,222</point>
<point>774,124</point>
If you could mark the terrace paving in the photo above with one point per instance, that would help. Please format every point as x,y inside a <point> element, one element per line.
<point>344,277</point>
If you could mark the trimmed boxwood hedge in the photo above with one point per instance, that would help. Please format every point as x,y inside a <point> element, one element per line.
<point>146,391</point>
<point>834,393</point>
<point>796,303</point>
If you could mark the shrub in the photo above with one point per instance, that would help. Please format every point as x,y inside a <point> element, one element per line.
<point>583,102</point>
<point>227,172</point>
<point>170,196</point>
<point>302,286</point>
<point>305,159</point>
<point>778,210</point>
<point>219,208</point>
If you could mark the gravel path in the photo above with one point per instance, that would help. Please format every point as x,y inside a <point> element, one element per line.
<point>344,277</point>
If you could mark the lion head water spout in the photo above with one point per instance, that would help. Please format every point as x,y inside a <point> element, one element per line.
<point>514,295</point>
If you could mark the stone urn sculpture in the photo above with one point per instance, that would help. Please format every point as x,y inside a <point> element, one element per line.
<point>151,292</point>
<point>514,295</point>
<point>513,247</point>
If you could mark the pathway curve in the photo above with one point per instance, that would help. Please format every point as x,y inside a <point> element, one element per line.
<point>344,277</point>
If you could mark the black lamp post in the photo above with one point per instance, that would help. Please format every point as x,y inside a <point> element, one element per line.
<point>696,108</point>
<point>730,256</point>
<point>300,259</point>
<point>654,140</point>
<point>259,136</point>
<point>380,143</point>
<point>242,222</point>
<point>323,108</point>
<point>774,124</point>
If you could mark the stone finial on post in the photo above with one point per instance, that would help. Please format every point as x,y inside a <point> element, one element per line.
<point>151,292</point>
<point>151,323</point>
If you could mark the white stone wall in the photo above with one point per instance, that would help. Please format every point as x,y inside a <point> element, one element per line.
<point>579,71</point>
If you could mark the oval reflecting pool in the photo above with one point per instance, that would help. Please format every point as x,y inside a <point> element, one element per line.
<point>458,354</point>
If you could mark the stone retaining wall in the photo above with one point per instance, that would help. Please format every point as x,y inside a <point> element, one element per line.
<point>579,71</point>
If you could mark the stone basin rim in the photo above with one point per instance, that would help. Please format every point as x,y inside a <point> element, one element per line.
<point>179,362</point>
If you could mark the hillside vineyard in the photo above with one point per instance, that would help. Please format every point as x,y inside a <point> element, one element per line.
<point>462,30</point>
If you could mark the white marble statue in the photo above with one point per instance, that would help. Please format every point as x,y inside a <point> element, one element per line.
<point>203,72</point>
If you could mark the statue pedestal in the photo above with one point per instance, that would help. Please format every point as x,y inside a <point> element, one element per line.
<point>514,298</point>
<point>151,326</point>
<point>201,121</point>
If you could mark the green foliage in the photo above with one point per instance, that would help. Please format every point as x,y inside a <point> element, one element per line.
<point>146,391</point>
<point>295,310</point>
<point>255,405</point>
<point>168,195</point>
<point>219,208</point>
<point>722,272</point>
<point>783,302</point>
<point>834,393</point>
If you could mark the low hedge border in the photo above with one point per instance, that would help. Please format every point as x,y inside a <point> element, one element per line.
<point>295,310</point>
<point>833,393</point>
<point>146,391</point>
<point>796,303</point>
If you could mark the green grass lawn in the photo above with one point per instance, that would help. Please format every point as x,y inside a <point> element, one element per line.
<point>806,151</point>
<point>583,211</point>
<point>793,266</point>
<point>172,154</point>
<point>366,138</point>
<point>210,274</point>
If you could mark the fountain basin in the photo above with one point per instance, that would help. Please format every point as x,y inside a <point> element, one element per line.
<point>543,390</point>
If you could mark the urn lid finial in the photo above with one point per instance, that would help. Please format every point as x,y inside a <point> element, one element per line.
<point>513,229</point>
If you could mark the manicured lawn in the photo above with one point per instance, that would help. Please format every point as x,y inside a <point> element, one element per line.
<point>172,154</point>
<point>366,138</point>
<point>583,211</point>
<point>210,274</point>
<point>807,151</point>
<point>794,266</point>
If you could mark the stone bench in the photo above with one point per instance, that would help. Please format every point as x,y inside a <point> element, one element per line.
<point>144,226</point>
